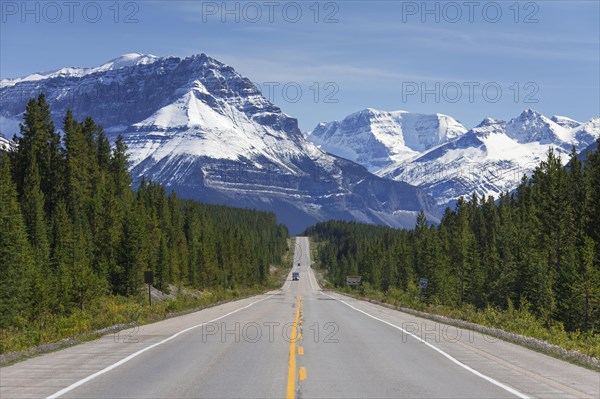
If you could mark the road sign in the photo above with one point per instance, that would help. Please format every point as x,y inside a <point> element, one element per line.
<point>423,283</point>
<point>353,280</point>
<point>149,277</point>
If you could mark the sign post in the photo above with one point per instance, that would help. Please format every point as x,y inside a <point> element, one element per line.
<point>422,285</point>
<point>149,279</point>
<point>353,280</point>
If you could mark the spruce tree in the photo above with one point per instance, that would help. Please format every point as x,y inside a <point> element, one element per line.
<point>118,166</point>
<point>63,257</point>
<point>15,251</point>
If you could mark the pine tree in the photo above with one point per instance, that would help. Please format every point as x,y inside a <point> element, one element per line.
<point>505,286</point>
<point>53,183</point>
<point>586,290</point>
<point>34,216</point>
<point>62,257</point>
<point>447,279</point>
<point>27,144</point>
<point>103,151</point>
<point>132,254</point>
<point>557,233</point>
<point>119,163</point>
<point>15,251</point>
<point>41,142</point>
<point>33,211</point>
<point>77,159</point>
<point>86,284</point>
<point>208,260</point>
<point>162,266</point>
<point>192,230</point>
<point>592,174</point>
<point>421,244</point>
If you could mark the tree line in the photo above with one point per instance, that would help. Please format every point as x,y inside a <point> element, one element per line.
<point>73,229</point>
<point>537,247</point>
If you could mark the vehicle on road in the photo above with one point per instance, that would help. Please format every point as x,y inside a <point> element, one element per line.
<point>295,276</point>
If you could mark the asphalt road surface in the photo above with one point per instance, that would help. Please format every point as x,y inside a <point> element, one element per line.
<point>297,342</point>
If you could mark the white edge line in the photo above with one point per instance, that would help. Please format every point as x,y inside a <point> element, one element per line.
<point>310,270</point>
<point>310,273</point>
<point>310,279</point>
<point>454,360</point>
<point>133,355</point>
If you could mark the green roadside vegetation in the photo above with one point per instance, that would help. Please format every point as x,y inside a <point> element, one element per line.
<point>527,263</point>
<point>106,314</point>
<point>520,322</point>
<point>76,239</point>
<point>110,314</point>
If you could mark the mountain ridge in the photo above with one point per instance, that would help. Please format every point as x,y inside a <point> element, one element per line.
<point>198,127</point>
<point>488,159</point>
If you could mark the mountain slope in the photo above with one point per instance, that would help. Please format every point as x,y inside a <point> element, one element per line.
<point>198,127</point>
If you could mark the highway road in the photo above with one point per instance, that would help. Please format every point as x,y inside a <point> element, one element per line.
<point>343,348</point>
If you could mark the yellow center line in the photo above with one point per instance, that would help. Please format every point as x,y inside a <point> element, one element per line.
<point>291,385</point>
<point>302,373</point>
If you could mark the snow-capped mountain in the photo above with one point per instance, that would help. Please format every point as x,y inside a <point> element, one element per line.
<point>488,159</point>
<point>376,139</point>
<point>198,127</point>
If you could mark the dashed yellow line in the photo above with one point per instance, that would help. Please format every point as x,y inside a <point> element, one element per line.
<point>301,350</point>
<point>302,375</point>
<point>291,386</point>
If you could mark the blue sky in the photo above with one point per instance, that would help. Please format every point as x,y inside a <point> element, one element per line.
<point>322,61</point>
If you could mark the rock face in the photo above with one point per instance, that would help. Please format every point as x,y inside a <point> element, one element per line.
<point>444,159</point>
<point>201,129</point>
